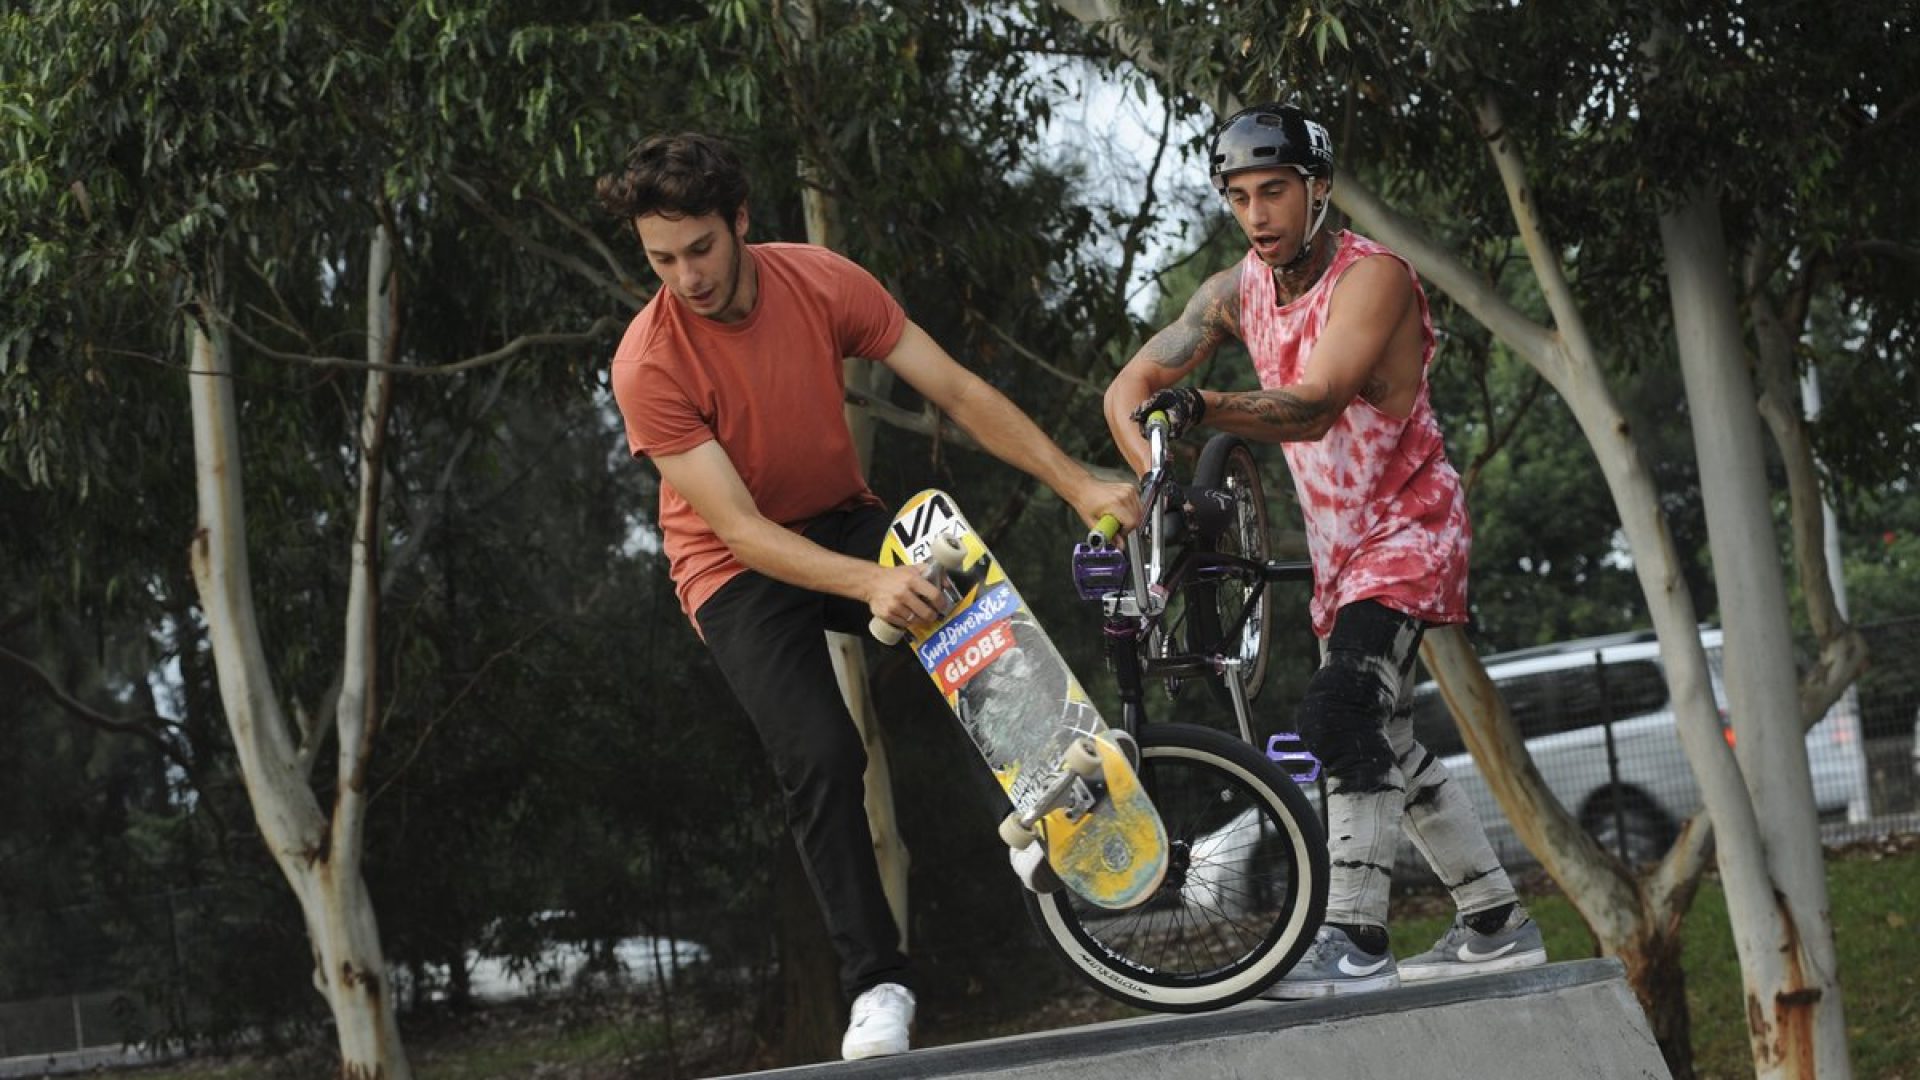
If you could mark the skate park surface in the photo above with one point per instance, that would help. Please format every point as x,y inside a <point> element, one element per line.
<point>1566,1021</point>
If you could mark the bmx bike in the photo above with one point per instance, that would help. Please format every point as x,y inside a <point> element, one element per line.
<point>1186,597</point>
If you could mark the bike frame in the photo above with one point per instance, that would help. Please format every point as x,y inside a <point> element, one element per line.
<point>1134,584</point>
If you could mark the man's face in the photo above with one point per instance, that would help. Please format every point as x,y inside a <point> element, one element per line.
<point>1271,206</point>
<point>699,261</point>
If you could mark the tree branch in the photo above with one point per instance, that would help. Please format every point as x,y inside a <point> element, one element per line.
<point>426,732</point>
<point>1497,438</point>
<point>629,298</point>
<point>602,325</point>
<point>1129,243</point>
<point>1777,327</point>
<point>1890,248</point>
<point>151,730</point>
<point>1520,199</point>
<point>1078,382</point>
<point>628,282</point>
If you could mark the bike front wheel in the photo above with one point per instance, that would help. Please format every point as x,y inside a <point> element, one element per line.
<point>1246,883</point>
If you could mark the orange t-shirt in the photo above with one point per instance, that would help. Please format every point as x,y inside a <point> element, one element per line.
<point>768,388</point>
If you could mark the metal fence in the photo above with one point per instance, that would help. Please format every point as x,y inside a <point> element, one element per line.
<point>68,1022</point>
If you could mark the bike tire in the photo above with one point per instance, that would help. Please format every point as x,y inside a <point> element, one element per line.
<point>1226,464</point>
<point>1246,884</point>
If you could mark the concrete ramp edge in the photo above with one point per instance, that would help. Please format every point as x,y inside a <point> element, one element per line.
<point>1568,1021</point>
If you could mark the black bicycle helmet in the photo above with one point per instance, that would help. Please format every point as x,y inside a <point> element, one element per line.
<point>1277,137</point>
<point>1271,136</point>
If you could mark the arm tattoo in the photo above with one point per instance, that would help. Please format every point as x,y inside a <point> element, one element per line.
<point>1290,414</point>
<point>1211,316</point>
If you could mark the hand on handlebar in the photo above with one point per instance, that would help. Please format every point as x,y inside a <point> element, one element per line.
<point>1183,405</point>
<point>1100,499</point>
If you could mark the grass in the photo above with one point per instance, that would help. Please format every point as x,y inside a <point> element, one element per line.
<point>1875,891</point>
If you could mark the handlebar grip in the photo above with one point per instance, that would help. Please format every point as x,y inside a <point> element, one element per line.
<point>885,632</point>
<point>1103,531</point>
<point>1156,418</point>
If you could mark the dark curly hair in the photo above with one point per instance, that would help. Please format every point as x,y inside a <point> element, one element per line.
<point>687,175</point>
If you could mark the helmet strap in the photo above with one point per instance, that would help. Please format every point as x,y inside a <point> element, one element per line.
<point>1318,208</point>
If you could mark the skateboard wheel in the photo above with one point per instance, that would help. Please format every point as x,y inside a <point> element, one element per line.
<point>1083,758</point>
<point>950,552</point>
<point>885,632</point>
<point>1015,835</point>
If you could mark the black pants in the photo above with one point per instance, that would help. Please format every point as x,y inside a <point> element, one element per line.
<point>767,638</point>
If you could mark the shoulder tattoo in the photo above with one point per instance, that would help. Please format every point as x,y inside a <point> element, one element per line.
<point>1211,316</point>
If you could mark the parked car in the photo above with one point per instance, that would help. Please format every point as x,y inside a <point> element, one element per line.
<point>1563,696</point>
<point>500,969</point>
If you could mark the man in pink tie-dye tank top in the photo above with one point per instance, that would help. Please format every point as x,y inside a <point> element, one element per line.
<point>1338,331</point>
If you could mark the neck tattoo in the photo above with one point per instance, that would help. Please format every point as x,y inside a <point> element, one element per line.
<point>1291,285</point>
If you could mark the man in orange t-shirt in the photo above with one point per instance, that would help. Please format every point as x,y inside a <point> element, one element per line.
<point>730,380</point>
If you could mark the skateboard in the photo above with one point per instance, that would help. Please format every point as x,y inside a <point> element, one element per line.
<point>1069,777</point>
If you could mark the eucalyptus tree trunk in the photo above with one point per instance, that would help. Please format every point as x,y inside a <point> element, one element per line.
<point>1782,922</point>
<point>319,853</point>
<point>870,381</point>
<point>1777,328</point>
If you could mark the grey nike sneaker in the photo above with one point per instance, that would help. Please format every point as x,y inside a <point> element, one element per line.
<point>1332,965</point>
<point>1463,950</point>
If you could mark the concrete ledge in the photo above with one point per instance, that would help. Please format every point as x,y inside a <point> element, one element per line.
<point>1570,1021</point>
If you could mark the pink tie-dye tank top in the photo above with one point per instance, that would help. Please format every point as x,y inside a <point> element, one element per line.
<point>1386,519</point>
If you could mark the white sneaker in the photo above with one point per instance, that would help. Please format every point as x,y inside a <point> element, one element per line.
<point>1031,867</point>
<point>881,1020</point>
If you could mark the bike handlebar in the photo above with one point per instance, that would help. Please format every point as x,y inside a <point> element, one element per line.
<point>1108,527</point>
<point>1103,531</point>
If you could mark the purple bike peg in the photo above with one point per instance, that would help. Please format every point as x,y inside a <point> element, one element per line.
<point>1098,572</point>
<point>1292,754</point>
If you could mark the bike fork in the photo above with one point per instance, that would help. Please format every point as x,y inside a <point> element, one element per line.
<point>1285,748</point>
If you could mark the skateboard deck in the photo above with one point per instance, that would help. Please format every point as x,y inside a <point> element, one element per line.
<point>1025,711</point>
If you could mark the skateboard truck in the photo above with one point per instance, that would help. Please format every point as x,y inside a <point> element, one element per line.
<point>1068,790</point>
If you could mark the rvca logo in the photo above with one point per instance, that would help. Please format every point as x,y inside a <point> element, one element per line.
<point>916,531</point>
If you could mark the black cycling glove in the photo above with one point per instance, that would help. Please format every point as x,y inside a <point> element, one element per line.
<point>1183,405</point>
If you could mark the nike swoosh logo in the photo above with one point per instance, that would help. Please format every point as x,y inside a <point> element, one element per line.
<point>1469,956</point>
<point>1348,967</point>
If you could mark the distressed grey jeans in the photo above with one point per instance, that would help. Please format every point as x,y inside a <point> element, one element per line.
<point>1357,717</point>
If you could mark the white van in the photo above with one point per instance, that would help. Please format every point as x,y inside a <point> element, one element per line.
<point>1562,696</point>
